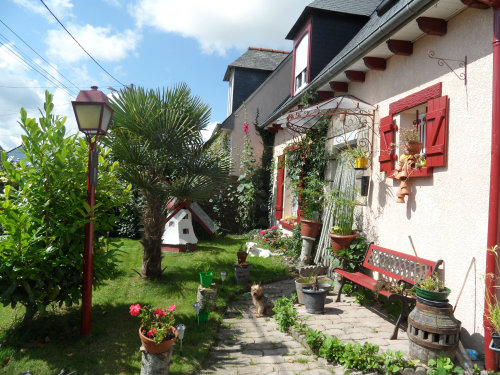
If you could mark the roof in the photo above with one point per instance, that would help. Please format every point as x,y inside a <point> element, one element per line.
<point>16,154</point>
<point>259,59</point>
<point>355,7</point>
<point>375,31</point>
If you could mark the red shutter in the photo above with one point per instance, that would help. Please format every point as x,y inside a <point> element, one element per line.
<point>436,131</point>
<point>279,191</point>
<point>387,155</point>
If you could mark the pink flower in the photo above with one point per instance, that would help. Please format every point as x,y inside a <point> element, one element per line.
<point>274,227</point>
<point>135,309</point>
<point>159,312</point>
<point>152,332</point>
<point>245,127</point>
<point>262,232</point>
<point>172,308</point>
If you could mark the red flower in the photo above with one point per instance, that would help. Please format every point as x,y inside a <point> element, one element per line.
<point>262,232</point>
<point>172,308</point>
<point>152,332</point>
<point>245,127</point>
<point>274,227</point>
<point>159,312</point>
<point>135,309</point>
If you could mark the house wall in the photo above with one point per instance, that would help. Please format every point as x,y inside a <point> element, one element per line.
<point>271,94</point>
<point>445,214</point>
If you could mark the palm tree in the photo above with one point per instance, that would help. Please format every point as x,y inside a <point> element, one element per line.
<point>156,138</point>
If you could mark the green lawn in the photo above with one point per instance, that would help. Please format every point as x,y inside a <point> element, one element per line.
<point>114,345</point>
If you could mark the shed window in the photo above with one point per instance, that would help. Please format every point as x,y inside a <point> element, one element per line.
<point>185,231</point>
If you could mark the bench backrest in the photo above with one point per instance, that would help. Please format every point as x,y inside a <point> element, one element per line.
<point>396,265</point>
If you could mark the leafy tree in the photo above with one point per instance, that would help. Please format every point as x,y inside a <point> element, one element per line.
<point>43,213</point>
<point>156,137</point>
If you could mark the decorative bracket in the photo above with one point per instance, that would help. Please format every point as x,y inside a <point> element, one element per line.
<point>462,64</point>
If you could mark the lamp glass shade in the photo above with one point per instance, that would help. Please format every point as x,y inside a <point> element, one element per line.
<point>106,118</point>
<point>180,329</point>
<point>88,116</point>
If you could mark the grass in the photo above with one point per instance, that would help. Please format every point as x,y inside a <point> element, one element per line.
<point>113,347</point>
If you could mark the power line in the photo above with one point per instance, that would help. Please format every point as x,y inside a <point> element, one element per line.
<point>22,40</point>
<point>76,41</point>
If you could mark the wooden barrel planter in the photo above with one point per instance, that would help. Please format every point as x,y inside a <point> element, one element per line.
<point>433,331</point>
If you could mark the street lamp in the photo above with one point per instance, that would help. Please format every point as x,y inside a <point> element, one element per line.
<point>93,115</point>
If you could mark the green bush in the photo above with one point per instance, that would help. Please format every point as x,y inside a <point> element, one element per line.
<point>43,215</point>
<point>284,313</point>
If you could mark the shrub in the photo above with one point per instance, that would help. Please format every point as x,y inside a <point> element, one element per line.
<point>284,313</point>
<point>44,211</point>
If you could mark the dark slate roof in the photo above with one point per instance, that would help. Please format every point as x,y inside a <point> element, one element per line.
<point>259,59</point>
<point>354,7</point>
<point>16,154</point>
<point>353,51</point>
<point>228,123</point>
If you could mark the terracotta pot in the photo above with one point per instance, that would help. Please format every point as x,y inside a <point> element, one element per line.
<point>309,228</point>
<point>242,256</point>
<point>340,241</point>
<point>152,347</point>
<point>412,148</point>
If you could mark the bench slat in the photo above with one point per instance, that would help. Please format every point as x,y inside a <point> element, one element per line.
<point>361,279</point>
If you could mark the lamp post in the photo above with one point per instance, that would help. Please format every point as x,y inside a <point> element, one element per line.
<point>93,115</point>
<point>223,275</point>
<point>181,328</point>
<point>196,306</point>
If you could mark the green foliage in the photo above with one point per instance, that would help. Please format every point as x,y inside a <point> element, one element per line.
<point>332,349</point>
<point>313,196</point>
<point>130,222</point>
<point>356,152</point>
<point>44,212</point>
<point>284,313</point>
<point>314,339</point>
<point>353,255</point>
<point>443,366</point>
<point>344,212</point>
<point>431,283</point>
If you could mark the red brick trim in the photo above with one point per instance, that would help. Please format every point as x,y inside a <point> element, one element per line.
<point>415,99</point>
<point>178,248</point>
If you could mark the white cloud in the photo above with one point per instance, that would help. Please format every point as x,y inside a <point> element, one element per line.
<point>207,132</point>
<point>223,24</point>
<point>61,8</point>
<point>100,42</point>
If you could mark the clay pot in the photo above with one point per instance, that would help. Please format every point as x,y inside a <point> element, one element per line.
<point>340,241</point>
<point>242,256</point>
<point>412,148</point>
<point>152,347</point>
<point>401,198</point>
<point>309,228</point>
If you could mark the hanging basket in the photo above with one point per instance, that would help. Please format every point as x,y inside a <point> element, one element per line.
<point>360,163</point>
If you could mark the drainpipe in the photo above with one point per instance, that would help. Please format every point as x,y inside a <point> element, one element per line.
<point>494,208</point>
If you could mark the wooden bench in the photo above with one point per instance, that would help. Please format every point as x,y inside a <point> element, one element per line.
<point>396,266</point>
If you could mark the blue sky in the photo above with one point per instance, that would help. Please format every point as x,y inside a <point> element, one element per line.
<point>151,43</point>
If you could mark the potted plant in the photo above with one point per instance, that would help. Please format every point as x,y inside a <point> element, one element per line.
<point>206,277</point>
<point>241,269</point>
<point>314,298</point>
<point>493,315</point>
<point>157,330</point>
<point>410,140</point>
<point>311,196</point>
<point>342,233</point>
<point>360,156</point>
<point>432,289</point>
<point>307,282</point>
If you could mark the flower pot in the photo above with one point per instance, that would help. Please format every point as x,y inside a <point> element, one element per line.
<point>242,256</point>
<point>315,300</point>
<point>203,315</point>
<point>309,228</point>
<point>432,295</point>
<point>412,148</point>
<point>339,241</point>
<point>242,274</point>
<point>206,279</point>
<point>495,342</point>
<point>360,163</point>
<point>152,347</point>
<point>299,285</point>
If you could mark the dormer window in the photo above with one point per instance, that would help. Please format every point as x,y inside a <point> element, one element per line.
<point>301,60</point>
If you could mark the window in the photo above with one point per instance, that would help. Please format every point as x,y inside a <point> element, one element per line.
<point>301,59</point>
<point>185,231</point>
<point>230,94</point>
<point>428,111</point>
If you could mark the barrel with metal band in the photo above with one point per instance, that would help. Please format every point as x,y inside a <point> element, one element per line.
<point>433,331</point>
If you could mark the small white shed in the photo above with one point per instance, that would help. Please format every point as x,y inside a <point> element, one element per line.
<point>178,234</point>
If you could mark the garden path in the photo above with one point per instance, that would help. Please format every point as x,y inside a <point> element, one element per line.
<point>249,345</point>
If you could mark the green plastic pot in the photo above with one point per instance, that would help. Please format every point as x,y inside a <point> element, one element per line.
<point>432,295</point>
<point>206,279</point>
<point>203,315</point>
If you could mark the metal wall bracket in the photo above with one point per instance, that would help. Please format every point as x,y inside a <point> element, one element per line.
<point>462,64</point>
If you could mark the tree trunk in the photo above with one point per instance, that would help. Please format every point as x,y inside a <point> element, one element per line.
<point>154,221</point>
<point>31,310</point>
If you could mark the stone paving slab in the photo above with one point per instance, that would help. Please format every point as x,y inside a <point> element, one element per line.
<point>250,345</point>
